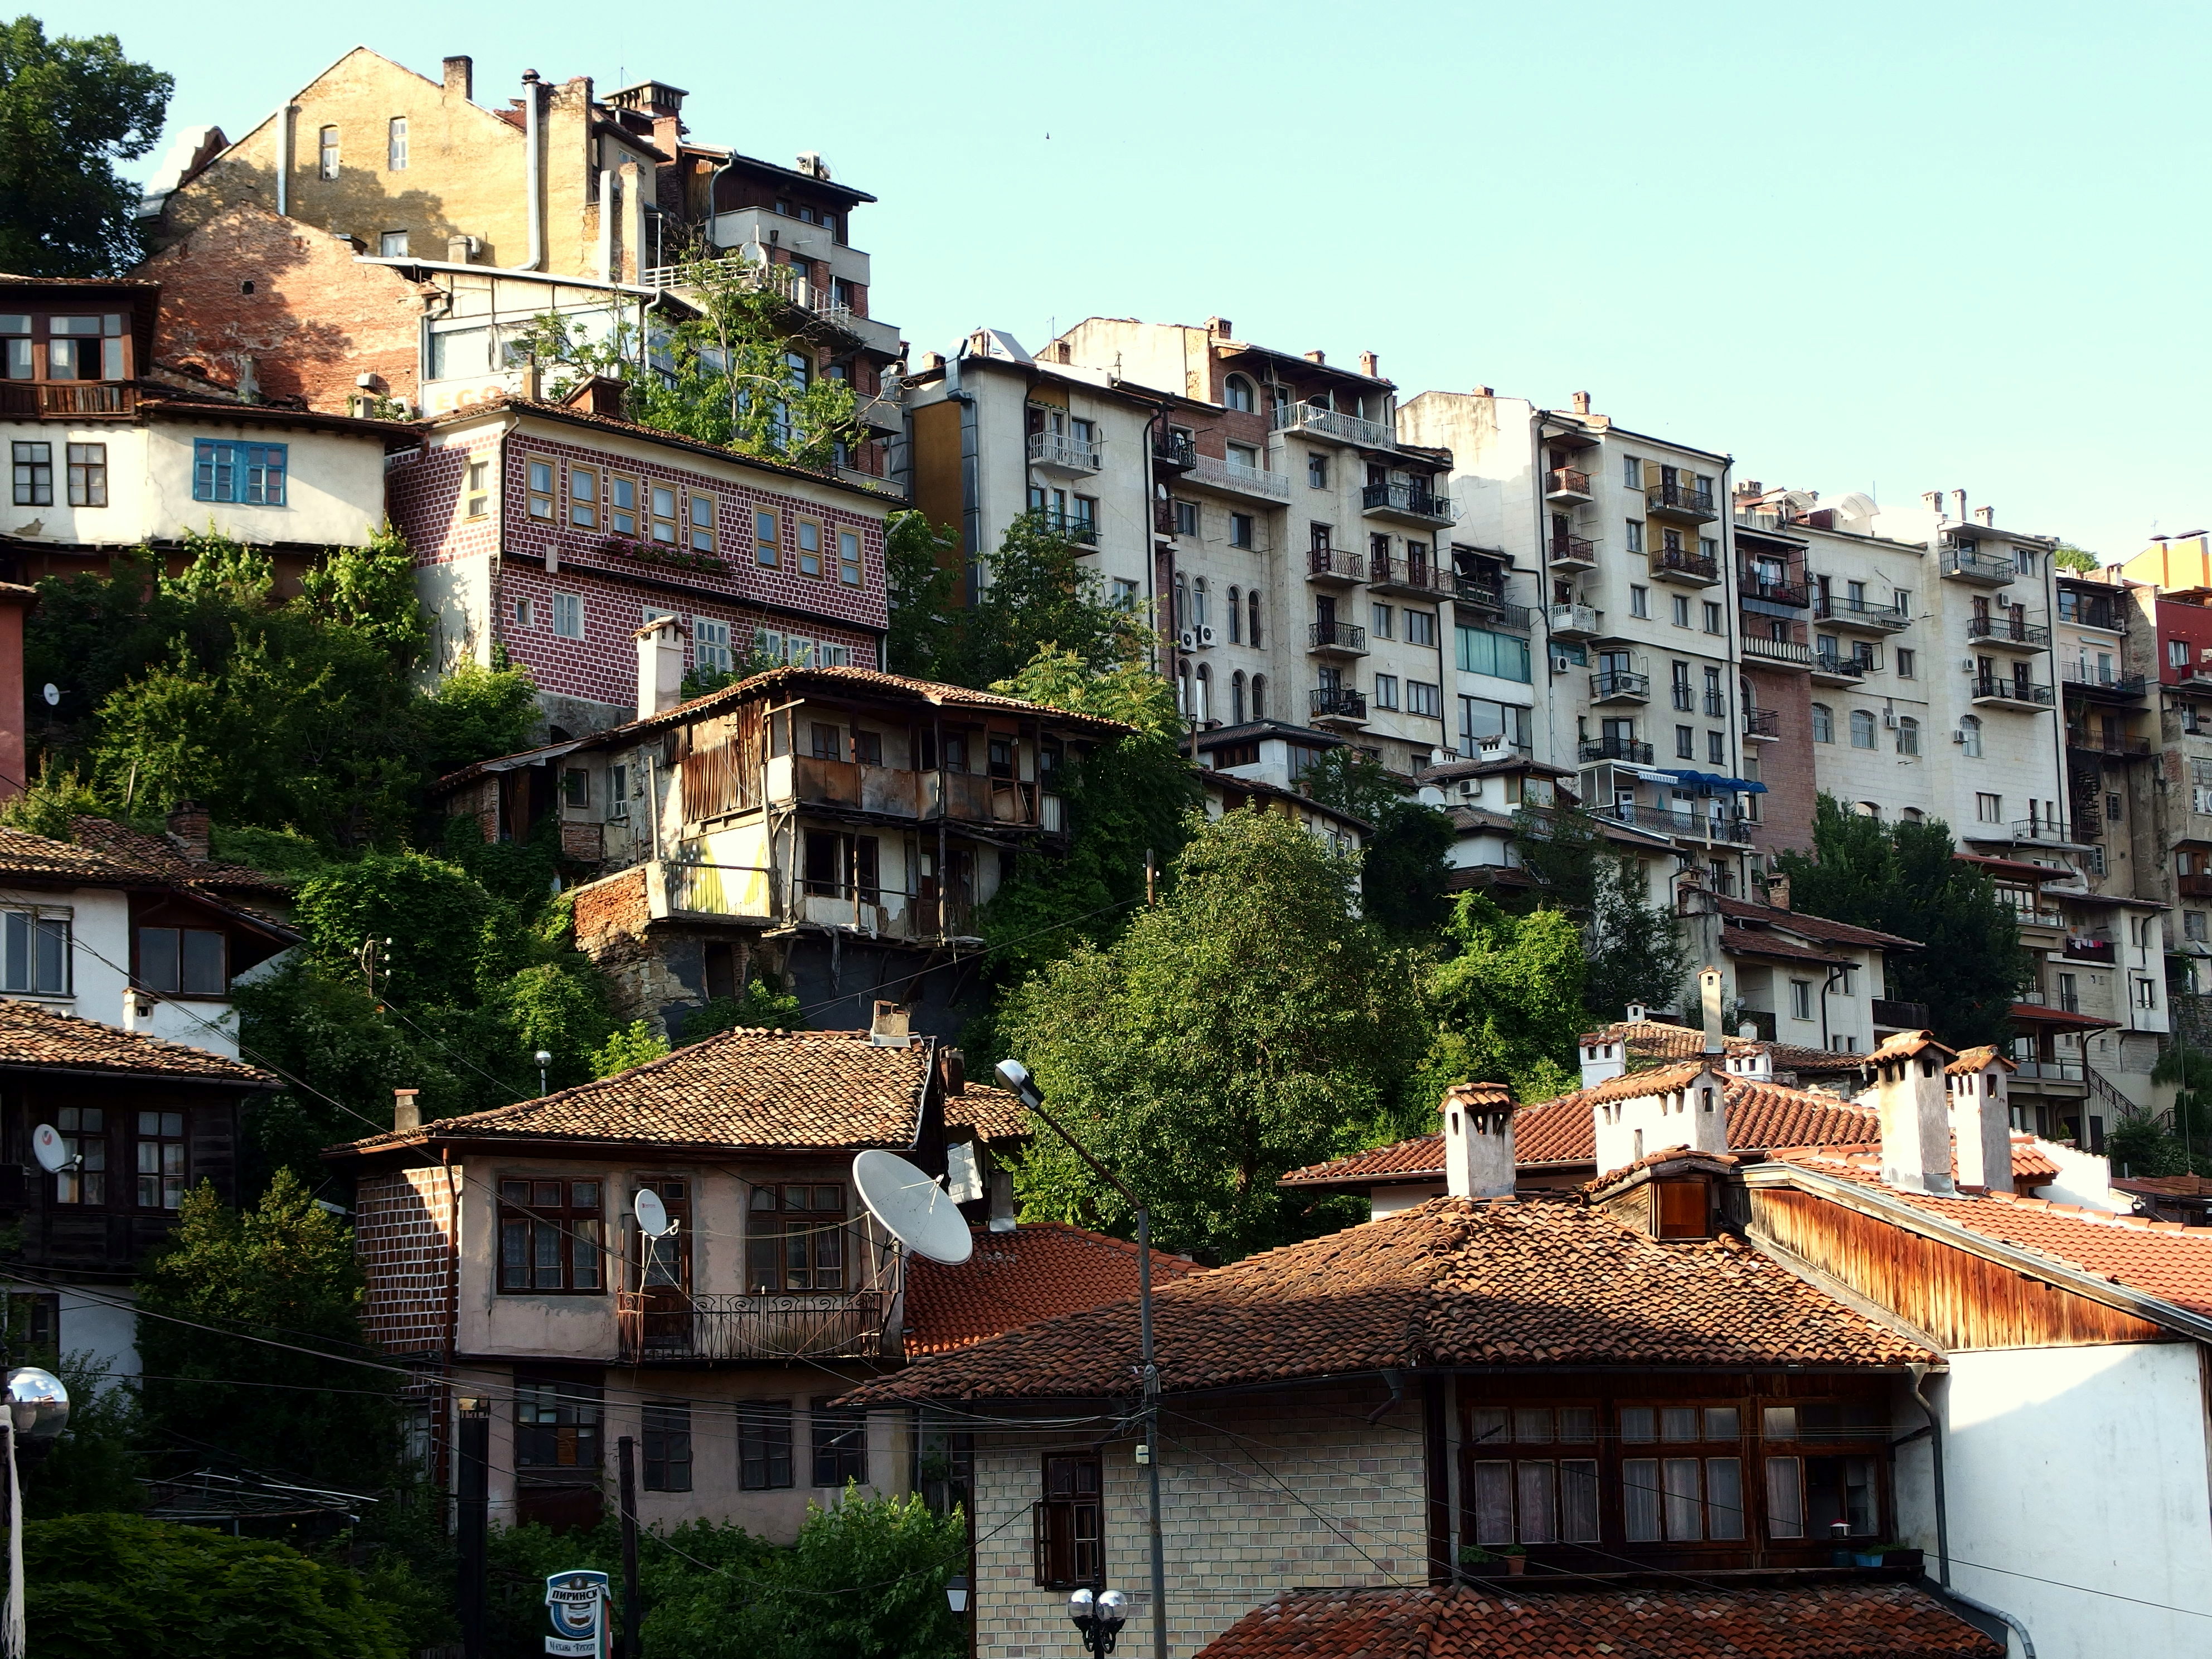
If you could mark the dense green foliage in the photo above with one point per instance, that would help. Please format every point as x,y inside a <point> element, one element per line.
<point>1249,1023</point>
<point>96,1465</point>
<point>921,574</point>
<point>70,110</point>
<point>1903,878</point>
<point>866,1580</point>
<point>118,1587</point>
<point>282,1271</point>
<point>1635,949</point>
<point>1508,1005</point>
<point>1404,872</point>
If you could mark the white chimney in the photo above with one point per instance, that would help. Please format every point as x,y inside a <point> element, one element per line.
<point>1708,995</point>
<point>1604,1058</point>
<point>1477,1141</point>
<point>889,1029</point>
<point>406,1114</point>
<point>1981,1127</point>
<point>137,1009</point>
<point>1909,1096</point>
<point>659,666</point>
<point>1684,1111</point>
<point>1758,1065</point>
<point>1958,505</point>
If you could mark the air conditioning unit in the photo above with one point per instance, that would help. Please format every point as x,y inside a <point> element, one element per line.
<point>1562,664</point>
<point>1206,636</point>
<point>1966,665</point>
<point>1470,789</point>
<point>1958,734</point>
<point>1889,718</point>
<point>1188,639</point>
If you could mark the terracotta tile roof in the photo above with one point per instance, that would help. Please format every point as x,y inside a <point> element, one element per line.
<point>1814,927</point>
<point>1760,1115</point>
<point>35,858</point>
<point>1711,1162</point>
<point>1683,1621</point>
<point>2161,1258</point>
<point>2031,1165</point>
<point>743,1090</point>
<point>1903,1045</point>
<point>994,1115</point>
<point>1453,1281</point>
<point>32,1034</point>
<point>1974,1060</point>
<point>1746,942</point>
<point>1659,1039</point>
<point>1480,1095</point>
<point>1653,1080</point>
<point>1038,1271</point>
<point>159,855</point>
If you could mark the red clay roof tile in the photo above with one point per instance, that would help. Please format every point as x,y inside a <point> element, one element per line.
<point>994,1115</point>
<point>32,1034</point>
<point>1038,1271</point>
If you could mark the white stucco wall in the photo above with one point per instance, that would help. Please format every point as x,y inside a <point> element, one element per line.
<point>2081,1472</point>
<point>99,951</point>
<point>96,1321</point>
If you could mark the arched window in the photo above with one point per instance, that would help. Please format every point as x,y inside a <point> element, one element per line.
<point>1868,809</point>
<point>1908,736</point>
<point>1202,710</point>
<point>1236,690</point>
<point>1235,620</point>
<point>1913,815</point>
<point>1238,394</point>
<point>1181,602</point>
<point>1824,723</point>
<point>1861,728</point>
<point>1198,602</point>
<point>1182,688</point>
<point>1259,696</point>
<point>1252,610</point>
<point>1969,736</point>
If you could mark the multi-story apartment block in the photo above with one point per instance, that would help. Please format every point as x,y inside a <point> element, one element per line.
<point>2170,588</point>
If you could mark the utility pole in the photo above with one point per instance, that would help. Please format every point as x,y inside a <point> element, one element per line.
<point>472,1487</point>
<point>627,1451</point>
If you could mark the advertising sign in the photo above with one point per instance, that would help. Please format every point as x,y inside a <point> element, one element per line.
<point>577,1603</point>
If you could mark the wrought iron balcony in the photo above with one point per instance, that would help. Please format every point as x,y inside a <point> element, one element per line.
<point>1332,565</point>
<point>1673,821</point>
<point>1619,685</point>
<point>1564,483</point>
<point>1998,688</point>
<point>1963,564</point>
<point>1083,532</point>
<point>1336,639</point>
<point>1420,577</point>
<point>1848,613</point>
<point>2115,744</point>
<point>1488,591</point>
<point>2020,633</point>
<point>1336,702</point>
<point>1752,586</point>
<point>1175,450</point>
<point>1404,501</point>
<point>1565,552</point>
<point>1681,500</point>
<point>1679,564</point>
<point>737,1328</point>
<point>1832,665</point>
<point>1762,723</point>
<point>1619,748</point>
<point>2087,681</point>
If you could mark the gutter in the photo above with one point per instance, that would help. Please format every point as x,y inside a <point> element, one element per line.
<point>284,161</point>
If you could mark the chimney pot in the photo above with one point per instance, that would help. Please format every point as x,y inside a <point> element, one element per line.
<point>189,826</point>
<point>1958,505</point>
<point>1710,984</point>
<point>460,76</point>
<point>1778,892</point>
<point>406,1114</point>
<point>1932,499</point>
<point>1219,325</point>
<point>1910,1099</point>
<point>1367,365</point>
<point>1981,1130</point>
<point>1486,391</point>
<point>1582,402</point>
<point>890,1028</point>
<point>659,667</point>
<point>954,1067</point>
<point>1987,515</point>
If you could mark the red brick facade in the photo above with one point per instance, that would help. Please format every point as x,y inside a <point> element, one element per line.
<point>404,1235</point>
<point>1785,767</point>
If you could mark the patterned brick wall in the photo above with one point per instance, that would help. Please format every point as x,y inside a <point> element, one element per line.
<point>402,1231</point>
<point>1255,1498</point>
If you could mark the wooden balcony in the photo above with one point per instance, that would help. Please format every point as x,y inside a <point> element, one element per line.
<point>67,399</point>
<point>743,1329</point>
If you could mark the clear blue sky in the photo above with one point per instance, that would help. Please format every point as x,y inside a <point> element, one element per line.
<point>1890,247</point>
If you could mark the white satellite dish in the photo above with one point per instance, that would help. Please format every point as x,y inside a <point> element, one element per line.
<point>913,1209</point>
<point>50,1150</point>
<point>652,1214</point>
<point>52,693</point>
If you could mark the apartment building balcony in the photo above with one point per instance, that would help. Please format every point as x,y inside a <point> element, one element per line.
<point>1964,564</point>
<point>1512,618</point>
<point>2196,885</point>
<point>67,399</point>
<point>1333,567</point>
<point>1569,554</point>
<point>1336,639</point>
<point>1851,615</point>
<point>1680,566</point>
<point>2087,948</point>
<point>1891,1015</point>
<point>1750,585</point>
<point>2003,634</point>
<point>1237,479</point>
<point>1567,487</point>
<point>1173,452</point>
<point>1574,622</point>
<point>1482,592</point>
<point>1163,518</point>
<point>2098,610</point>
<point>1416,578</point>
<point>2083,680</point>
<point>1063,457</point>
<point>1783,653</point>
<point>2042,832</point>
<point>1684,502</point>
<point>1406,503</point>
<point>1673,821</point>
<point>1083,532</point>
<point>2113,744</point>
<point>737,1330</point>
<point>1336,706</point>
<point>1312,422</point>
<point>1996,691</point>
<point>1615,749</point>
<point>1831,668</point>
<point>1762,725</point>
<point>1619,685</point>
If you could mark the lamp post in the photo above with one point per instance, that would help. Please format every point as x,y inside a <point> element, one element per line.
<point>1084,1605</point>
<point>545,1058</point>
<point>1099,1616</point>
<point>38,1410</point>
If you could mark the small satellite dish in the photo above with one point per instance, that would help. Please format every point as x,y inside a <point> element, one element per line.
<point>913,1209</point>
<point>52,693</point>
<point>50,1150</point>
<point>652,1214</point>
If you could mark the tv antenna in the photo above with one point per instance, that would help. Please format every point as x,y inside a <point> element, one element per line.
<point>913,1209</point>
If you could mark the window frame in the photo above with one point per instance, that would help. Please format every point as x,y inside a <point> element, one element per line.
<point>170,1142</point>
<point>665,1430</point>
<point>87,474</point>
<point>771,1227</point>
<point>522,1216</point>
<point>83,1182</point>
<point>567,606</point>
<point>1067,1526</point>
<point>39,927</point>
<point>768,538</point>
<point>851,559</point>
<point>232,472</point>
<point>584,1407</point>
<point>328,158</point>
<point>395,145</point>
<point>702,534</point>
<point>765,1444</point>
<point>31,471</point>
<point>837,1445</point>
<point>800,529</point>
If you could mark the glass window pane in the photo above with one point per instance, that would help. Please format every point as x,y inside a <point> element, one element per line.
<point>202,973</point>
<point>584,1250</point>
<point>149,1123</point>
<point>795,1274</point>
<point>1639,1499</point>
<point>1536,1493</point>
<point>830,1200</point>
<point>1577,1423</point>
<point>583,1194</point>
<point>545,1194</point>
<point>18,951</point>
<point>1532,1424</point>
<point>515,1191</point>
<point>173,1123</point>
<point>1683,1519</point>
<point>514,1253</point>
<point>1724,1422</point>
<point>1578,1500</point>
<point>795,1198</point>
<point>1780,1422</point>
<point>1785,1498</point>
<point>1485,1426</point>
<point>1678,1422</point>
<point>1858,1494</point>
<point>1493,1502</point>
<point>172,1158</point>
<point>150,1154</point>
<point>1724,1496</point>
<point>1636,1424</point>
<point>159,953</point>
<point>546,1240</point>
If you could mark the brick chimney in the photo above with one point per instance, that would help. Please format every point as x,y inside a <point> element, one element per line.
<point>460,76</point>
<point>1367,366</point>
<point>1477,1141</point>
<point>1317,358</point>
<point>597,394</point>
<point>1932,500</point>
<point>1221,326</point>
<point>189,829</point>
<point>1778,892</point>
<point>1909,1098</point>
<point>1981,1127</point>
<point>1582,401</point>
<point>659,666</point>
<point>406,1114</point>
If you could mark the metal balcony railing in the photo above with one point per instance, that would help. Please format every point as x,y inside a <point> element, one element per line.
<point>2006,630</point>
<point>1681,562</point>
<point>1409,499</point>
<point>2049,831</point>
<point>1336,702</point>
<point>704,1329</point>
<point>2087,677</point>
<point>1681,498</point>
<point>1827,607</point>
<point>1058,450</point>
<point>1567,480</point>
<point>1174,449</point>
<point>1619,748</point>
<point>1968,565</point>
<point>1333,561</point>
<point>1475,590</point>
<point>1752,586</point>
<point>2011,691</point>
<point>1335,637</point>
<point>2098,743</point>
<point>1616,683</point>
<point>1082,531</point>
<point>1843,667</point>
<point>1571,549</point>
<point>1673,821</point>
<point>1762,723</point>
<point>1333,423</point>
<point>1249,480</point>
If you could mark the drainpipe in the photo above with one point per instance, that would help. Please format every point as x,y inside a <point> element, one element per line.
<point>2027,1646</point>
<point>1834,974</point>
<point>533,169</point>
<point>1936,1462</point>
<point>284,161</point>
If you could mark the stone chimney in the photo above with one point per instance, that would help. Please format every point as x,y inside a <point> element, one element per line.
<point>890,1028</point>
<point>1909,1098</point>
<point>1981,1125</point>
<point>137,1009</point>
<point>1367,366</point>
<point>659,666</point>
<point>1710,984</point>
<point>1604,1058</point>
<point>460,248</point>
<point>1582,403</point>
<point>1477,1141</point>
<point>1778,892</point>
<point>1220,325</point>
<point>1986,515</point>
<point>189,829</point>
<point>1680,1111</point>
<point>1320,357</point>
<point>406,1116</point>
<point>1958,505</point>
<point>460,76</point>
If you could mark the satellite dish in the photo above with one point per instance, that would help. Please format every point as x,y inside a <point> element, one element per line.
<point>50,1150</point>
<point>52,693</point>
<point>913,1209</point>
<point>652,1214</point>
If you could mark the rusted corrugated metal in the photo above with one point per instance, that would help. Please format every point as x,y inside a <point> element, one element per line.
<point>1957,1297</point>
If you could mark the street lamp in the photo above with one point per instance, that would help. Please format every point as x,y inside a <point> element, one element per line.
<point>38,1411</point>
<point>545,1058</point>
<point>1109,1604</point>
<point>1100,1618</point>
<point>956,1593</point>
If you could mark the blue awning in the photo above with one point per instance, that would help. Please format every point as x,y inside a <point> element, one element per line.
<point>1711,783</point>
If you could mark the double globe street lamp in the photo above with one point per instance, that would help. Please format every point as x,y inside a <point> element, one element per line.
<point>1099,1615</point>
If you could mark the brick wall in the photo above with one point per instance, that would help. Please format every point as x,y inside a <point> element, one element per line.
<point>1785,810</point>
<point>251,287</point>
<point>1256,1497</point>
<point>403,1232</point>
<point>642,974</point>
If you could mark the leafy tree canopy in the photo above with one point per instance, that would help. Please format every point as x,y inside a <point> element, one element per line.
<point>1404,871</point>
<point>70,109</point>
<point>1637,952</point>
<point>1508,1007</point>
<point>921,569</point>
<point>2067,557</point>
<point>1249,1023</point>
<point>1903,878</point>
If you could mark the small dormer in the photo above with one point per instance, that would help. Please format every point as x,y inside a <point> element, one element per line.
<point>1754,1064</point>
<point>1672,1195</point>
<point>1604,1057</point>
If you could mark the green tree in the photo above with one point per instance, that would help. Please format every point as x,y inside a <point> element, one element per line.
<point>1905,878</point>
<point>921,570</point>
<point>283,1270</point>
<point>1405,873</point>
<point>70,110</point>
<point>636,1044</point>
<point>1507,1007</point>
<point>1037,591</point>
<point>1249,1023</point>
<point>1558,848</point>
<point>765,1006</point>
<point>1636,950</point>
<point>2067,556</point>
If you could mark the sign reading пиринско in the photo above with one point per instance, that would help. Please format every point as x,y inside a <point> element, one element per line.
<point>577,1603</point>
